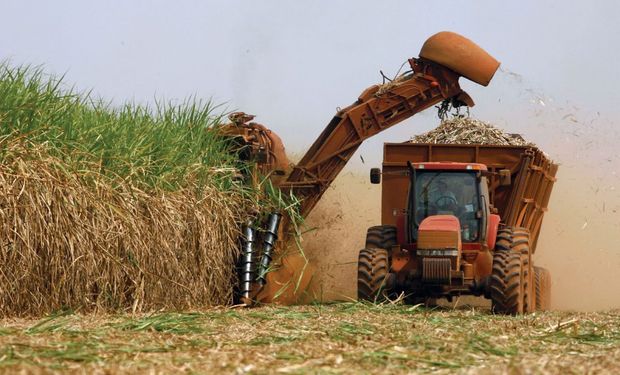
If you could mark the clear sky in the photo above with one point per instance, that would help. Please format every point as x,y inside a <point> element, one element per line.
<point>292,63</point>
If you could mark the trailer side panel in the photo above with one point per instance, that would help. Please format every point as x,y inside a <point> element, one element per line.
<point>522,203</point>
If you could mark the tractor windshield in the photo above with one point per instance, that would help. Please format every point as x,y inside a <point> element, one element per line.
<point>448,193</point>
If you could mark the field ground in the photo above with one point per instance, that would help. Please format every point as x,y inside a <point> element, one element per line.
<point>332,338</point>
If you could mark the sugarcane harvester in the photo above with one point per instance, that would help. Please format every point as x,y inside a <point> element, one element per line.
<point>433,78</point>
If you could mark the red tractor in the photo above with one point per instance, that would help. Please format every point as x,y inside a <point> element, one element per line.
<point>459,219</point>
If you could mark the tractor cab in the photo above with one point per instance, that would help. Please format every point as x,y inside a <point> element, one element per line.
<point>455,189</point>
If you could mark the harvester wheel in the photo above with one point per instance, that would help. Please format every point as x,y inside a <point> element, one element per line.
<point>506,285</point>
<point>517,240</point>
<point>542,285</point>
<point>381,237</point>
<point>373,275</point>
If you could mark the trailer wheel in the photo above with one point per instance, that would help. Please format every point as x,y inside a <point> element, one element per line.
<point>542,283</point>
<point>517,240</point>
<point>373,275</point>
<point>506,284</point>
<point>381,237</point>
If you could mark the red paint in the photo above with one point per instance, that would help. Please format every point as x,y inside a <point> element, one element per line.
<point>471,246</point>
<point>445,223</point>
<point>492,228</point>
<point>401,224</point>
<point>464,246</point>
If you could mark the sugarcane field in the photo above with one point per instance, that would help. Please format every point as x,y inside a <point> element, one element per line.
<point>309,188</point>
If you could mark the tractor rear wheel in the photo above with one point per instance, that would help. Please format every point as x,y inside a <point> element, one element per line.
<point>513,238</point>
<point>381,237</point>
<point>506,285</point>
<point>373,275</point>
<point>542,285</point>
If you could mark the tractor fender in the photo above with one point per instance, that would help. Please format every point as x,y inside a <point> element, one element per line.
<point>492,228</point>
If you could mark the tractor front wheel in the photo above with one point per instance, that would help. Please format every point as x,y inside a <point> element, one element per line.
<point>517,240</point>
<point>373,276</point>
<point>381,237</point>
<point>506,286</point>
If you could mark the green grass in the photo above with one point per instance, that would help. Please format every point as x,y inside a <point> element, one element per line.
<point>332,338</point>
<point>166,146</point>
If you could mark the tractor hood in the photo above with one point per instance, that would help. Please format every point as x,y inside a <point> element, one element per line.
<point>440,232</point>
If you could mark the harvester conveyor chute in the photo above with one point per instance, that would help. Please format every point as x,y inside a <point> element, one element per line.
<point>444,58</point>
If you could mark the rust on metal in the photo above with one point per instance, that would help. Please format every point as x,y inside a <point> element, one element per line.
<point>374,112</point>
<point>256,143</point>
<point>434,78</point>
<point>461,55</point>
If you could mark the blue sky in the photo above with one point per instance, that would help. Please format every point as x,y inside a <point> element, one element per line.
<point>293,63</point>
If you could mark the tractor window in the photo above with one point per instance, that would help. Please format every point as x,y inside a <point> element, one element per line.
<point>449,193</point>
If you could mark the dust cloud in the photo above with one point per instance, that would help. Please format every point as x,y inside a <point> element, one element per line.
<point>339,222</point>
<point>580,241</point>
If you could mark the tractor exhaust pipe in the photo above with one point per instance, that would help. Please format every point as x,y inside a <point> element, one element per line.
<point>269,241</point>
<point>247,261</point>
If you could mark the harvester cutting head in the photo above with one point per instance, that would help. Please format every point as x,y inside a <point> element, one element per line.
<point>460,54</point>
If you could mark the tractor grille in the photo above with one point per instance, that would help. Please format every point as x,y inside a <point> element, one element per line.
<point>436,270</point>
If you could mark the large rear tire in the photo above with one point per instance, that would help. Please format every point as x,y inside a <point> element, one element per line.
<point>517,240</point>
<point>506,285</point>
<point>381,237</point>
<point>513,239</point>
<point>373,275</point>
<point>542,285</point>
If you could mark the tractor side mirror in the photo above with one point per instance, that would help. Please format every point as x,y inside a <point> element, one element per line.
<point>504,177</point>
<point>375,175</point>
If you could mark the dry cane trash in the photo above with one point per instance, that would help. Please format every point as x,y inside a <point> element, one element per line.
<point>77,241</point>
<point>467,130</point>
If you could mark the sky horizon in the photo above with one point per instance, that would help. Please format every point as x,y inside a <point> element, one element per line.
<point>293,64</point>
